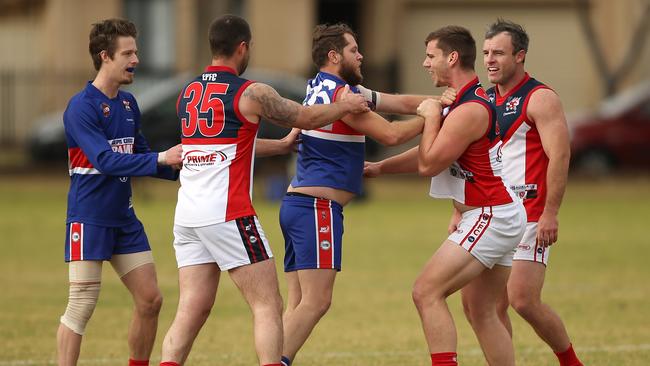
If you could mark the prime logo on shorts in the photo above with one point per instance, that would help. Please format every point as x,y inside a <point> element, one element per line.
<point>196,159</point>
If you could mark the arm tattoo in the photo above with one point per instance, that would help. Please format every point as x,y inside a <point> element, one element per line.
<point>275,108</point>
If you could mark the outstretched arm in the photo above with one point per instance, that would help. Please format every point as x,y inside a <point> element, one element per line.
<point>263,101</point>
<point>271,147</point>
<point>404,163</point>
<point>402,103</point>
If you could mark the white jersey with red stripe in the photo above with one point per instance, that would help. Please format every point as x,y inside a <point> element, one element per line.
<point>524,159</point>
<point>475,178</point>
<point>218,147</point>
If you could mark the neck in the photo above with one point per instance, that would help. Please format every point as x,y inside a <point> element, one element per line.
<point>460,78</point>
<point>107,86</point>
<point>331,69</point>
<point>227,62</point>
<point>507,87</point>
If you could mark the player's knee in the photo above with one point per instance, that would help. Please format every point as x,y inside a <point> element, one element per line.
<point>150,305</point>
<point>424,295</point>
<point>523,304</point>
<point>81,304</point>
<point>467,310</point>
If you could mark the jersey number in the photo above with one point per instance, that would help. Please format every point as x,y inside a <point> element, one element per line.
<point>210,102</point>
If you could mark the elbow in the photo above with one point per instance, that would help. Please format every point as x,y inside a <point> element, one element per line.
<point>425,170</point>
<point>391,139</point>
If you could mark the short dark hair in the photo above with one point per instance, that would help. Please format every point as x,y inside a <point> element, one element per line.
<point>103,37</point>
<point>226,33</point>
<point>455,38</point>
<point>327,38</point>
<point>517,33</point>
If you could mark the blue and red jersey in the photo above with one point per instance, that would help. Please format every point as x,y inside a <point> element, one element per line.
<point>331,156</point>
<point>105,149</point>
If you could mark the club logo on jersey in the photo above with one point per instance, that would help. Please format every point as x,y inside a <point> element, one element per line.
<point>76,237</point>
<point>122,145</point>
<point>252,239</point>
<point>511,105</point>
<point>127,105</point>
<point>325,245</point>
<point>106,110</point>
<point>471,239</point>
<point>196,159</point>
<point>324,229</point>
<point>540,250</point>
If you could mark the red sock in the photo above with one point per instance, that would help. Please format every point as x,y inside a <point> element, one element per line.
<point>169,363</point>
<point>568,357</point>
<point>133,362</point>
<point>444,359</point>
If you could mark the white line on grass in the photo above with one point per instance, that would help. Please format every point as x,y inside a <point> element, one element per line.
<point>621,348</point>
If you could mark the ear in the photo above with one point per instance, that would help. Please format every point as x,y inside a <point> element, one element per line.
<point>241,48</point>
<point>520,56</point>
<point>452,58</point>
<point>334,57</point>
<point>103,55</point>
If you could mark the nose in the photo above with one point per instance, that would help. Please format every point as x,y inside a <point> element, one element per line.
<point>135,59</point>
<point>425,63</point>
<point>360,57</point>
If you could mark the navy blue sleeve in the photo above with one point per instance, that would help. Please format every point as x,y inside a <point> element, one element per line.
<point>82,122</point>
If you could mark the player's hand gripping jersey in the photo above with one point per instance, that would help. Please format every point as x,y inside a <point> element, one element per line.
<point>105,148</point>
<point>331,156</point>
<point>475,178</point>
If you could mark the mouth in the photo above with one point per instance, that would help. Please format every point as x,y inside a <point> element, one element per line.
<point>130,70</point>
<point>492,70</point>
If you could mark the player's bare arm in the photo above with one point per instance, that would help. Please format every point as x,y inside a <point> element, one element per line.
<point>385,132</point>
<point>404,163</point>
<point>403,103</point>
<point>262,100</point>
<point>545,109</point>
<point>441,146</point>
<point>271,147</point>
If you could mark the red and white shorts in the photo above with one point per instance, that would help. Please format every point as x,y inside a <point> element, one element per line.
<point>528,250</point>
<point>491,233</point>
<point>229,244</point>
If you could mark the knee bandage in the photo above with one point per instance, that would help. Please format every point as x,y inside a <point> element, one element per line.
<point>125,263</point>
<point>85,282</point>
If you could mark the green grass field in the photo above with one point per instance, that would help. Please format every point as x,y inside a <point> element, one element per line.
<point>597,281</point>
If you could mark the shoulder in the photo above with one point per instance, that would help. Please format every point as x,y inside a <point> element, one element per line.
<point>543,99</point>
<point>471,111</point>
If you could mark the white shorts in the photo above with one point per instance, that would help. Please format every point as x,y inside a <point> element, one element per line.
<point>528,250</point>
<point>491,233</point>
<point>229,244</point>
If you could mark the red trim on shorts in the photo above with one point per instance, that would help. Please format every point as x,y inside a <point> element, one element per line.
<point>324,220</point>
<point>265,255</point>
<point>487,224</point>
<point>242,229</point>
<point>76,246</point>
<point>473,227</point>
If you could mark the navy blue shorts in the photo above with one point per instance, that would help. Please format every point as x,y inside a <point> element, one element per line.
<point>99,243</point>
<point>313,232</point>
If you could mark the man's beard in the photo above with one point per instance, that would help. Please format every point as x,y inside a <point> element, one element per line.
<point>244,64</point>
<point>349,75</point>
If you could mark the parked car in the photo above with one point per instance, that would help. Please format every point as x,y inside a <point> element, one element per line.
<point>616,136</point>
<point>157,102</point>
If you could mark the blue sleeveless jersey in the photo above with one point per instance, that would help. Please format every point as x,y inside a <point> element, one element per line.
<point>331,156</point>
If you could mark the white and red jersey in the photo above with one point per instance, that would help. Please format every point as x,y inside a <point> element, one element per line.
<point>524,159</point>
<point>475,178</point>
<point>218,147</point>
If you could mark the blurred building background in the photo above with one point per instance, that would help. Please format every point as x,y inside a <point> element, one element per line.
<point>585,49</point>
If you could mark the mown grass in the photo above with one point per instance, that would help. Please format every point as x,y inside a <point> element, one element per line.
<point>597,279</point>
